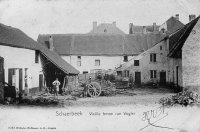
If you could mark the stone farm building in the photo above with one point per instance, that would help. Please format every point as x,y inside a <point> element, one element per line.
<point>105,47</point>
<point>26,64</point>
<point>174,60</point>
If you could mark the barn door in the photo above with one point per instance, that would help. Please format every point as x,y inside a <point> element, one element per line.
<point>138,78</point>
<point>1,79</point>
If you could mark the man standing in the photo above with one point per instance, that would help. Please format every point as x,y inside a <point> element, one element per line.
<point>56,85</point>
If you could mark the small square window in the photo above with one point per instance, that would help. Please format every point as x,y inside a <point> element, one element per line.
<point>136,62</point>
<point>85,72</point>
<point>97,62</point>
<point>125,58</point>
<point>47,44</point>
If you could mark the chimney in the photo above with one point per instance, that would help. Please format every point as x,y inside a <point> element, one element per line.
<point>177,17</point>
<point>192,17</point>
<point>51,47</point>
<point>144,30</point>
<point>114,23</point>
<point>154,27</point>
<point>131,28</point>
<point>94,25</point>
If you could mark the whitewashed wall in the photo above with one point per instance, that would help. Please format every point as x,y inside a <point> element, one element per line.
<point>21,58</point>
<point>145,65</point>
<point>88,62</point>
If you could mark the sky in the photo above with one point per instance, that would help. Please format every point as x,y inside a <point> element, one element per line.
<point>36,17</point>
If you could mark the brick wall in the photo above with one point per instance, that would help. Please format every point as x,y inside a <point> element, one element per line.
<point>191,60</point>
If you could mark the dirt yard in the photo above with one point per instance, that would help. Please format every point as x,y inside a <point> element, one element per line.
<point>143,96</point>
<point>140,112</point>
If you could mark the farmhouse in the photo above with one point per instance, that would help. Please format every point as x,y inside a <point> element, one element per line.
<point>174,60</point>
<point>99,50</point>
<point>26,64</point>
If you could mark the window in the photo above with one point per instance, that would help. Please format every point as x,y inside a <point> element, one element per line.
<point>153,73</point>
<point>47,44</point>
<point>136,62</point>
<point>126,73</point>
<point>152,57</point>
<point>36,56</point>
<point>105,30</point>
<point>78,60</point>
<point>85,72</point>
<point>125,58</point>
<point>160,47</point>
<point>97,62</point>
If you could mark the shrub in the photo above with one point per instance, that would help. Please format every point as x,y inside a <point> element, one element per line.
<point>185,97</point>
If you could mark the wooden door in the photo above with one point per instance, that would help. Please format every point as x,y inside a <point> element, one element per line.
<point>138,78</point>
<point>162,78</point>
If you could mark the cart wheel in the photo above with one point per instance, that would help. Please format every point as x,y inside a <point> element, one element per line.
<point>94,89</point>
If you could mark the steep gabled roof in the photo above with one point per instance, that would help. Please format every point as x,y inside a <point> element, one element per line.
<point>139,29</point>
<point>16,38</point>
<point>57,60</point>
<point>110,29</point>
<point>173,24</point>
<point>13,37</point>
<point>101,44</point>
<point>177,39</point>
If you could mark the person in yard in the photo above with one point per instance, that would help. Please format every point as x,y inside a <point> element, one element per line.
<point>56,85</point>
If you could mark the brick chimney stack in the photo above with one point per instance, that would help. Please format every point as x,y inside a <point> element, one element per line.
<point>144,29</point>
<point>154,27</point>
<point>177,17</point>
<point>131,28</point>
<point>51,46</point>
<point>192,17</point>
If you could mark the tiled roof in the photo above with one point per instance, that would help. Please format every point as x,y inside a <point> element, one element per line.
<point>177,39</point>
<point>100,44</point>
<point>13,37</point>
<point>57,60</point>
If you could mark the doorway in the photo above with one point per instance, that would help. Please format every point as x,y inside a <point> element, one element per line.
<point>162,78</point>
<point>138,78</point>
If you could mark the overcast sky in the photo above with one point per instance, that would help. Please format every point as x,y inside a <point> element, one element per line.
<point>76,16</point>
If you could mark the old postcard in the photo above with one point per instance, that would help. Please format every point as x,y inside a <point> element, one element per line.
<point>99,65</point>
